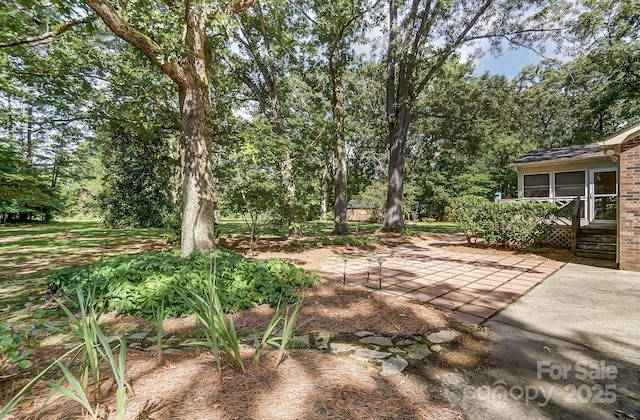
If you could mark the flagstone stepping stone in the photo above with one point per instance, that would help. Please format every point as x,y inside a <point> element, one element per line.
<point>139,335</point>
<point>418,351</point>
<point>300,341</point>
<point>378,341</point>
<point>444,336</point>
<point>393,366</point>
<point>338,348</point>
<point>371,354</point>
<point>322,340</point>
<point>256,336</point>
<point>155,347</point>
<point>364,334</point>
<point>155,337</point>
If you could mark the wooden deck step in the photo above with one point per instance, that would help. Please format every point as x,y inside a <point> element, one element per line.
<point>596,254</point>
<point>597,242</point>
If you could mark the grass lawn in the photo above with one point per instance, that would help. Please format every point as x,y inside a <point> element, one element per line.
<point>34,250</point>
<point>237,228</point>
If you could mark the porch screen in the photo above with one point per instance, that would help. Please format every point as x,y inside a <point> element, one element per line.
<point>569,184</point>
<point>536,185</point>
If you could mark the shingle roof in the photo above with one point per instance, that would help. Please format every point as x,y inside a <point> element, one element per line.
<point>575,151</point>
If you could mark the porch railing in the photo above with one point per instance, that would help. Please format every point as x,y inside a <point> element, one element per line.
<point>565,207</point>
<point>575,223</point>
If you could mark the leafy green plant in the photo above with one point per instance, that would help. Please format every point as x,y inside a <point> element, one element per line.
<point>521,224</point>
<point>469,213</point>
<point>86,328</point>
<point>282,342</point>
<point>131,284</point>
<point>220,333</point>
<point>13,349</point>
<point>94,349</point>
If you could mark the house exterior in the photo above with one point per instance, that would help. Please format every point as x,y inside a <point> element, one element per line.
<point>606,177</point>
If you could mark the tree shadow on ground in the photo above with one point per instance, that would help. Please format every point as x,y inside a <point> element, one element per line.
<point>535,375</point>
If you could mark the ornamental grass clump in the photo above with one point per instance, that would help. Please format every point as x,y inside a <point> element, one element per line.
<point>94,349</point>
<point>282,342</point>
<point>219,333</point>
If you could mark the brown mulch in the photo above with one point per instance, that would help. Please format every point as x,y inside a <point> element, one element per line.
<point>308,385</point>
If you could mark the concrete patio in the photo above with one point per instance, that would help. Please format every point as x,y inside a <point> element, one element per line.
<point>474,286</point>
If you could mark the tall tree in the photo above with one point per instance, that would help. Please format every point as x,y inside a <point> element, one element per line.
<point>188,63</point>
<point>421,38</point>
<point>266,42</point>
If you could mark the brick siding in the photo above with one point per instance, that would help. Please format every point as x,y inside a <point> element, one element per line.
<point>629,205</point>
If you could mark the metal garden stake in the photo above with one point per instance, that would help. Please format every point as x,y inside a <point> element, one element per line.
<point>380,261</point>
<point>345,257</point>
<point>370,257</point>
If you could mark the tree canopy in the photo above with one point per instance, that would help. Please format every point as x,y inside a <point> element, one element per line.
<point>147,111</point>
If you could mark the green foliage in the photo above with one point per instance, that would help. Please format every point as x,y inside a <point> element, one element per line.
<point>24,191</point>
<point>13,348</point>
<point>469,213</point>
<point>522,224</point>
<point>282,342</point>
<point>345,240</point>
<point>129,284</point>
<point>93,350</point>
<point>220,333</point>
<point>137,182</point>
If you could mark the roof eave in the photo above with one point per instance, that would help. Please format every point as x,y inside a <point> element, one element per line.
<point>621,136</point>
<point>557,161</point>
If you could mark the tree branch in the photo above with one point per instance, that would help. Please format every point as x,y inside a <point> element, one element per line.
<point>446,52</point>
<point>128,33</point>
<point>47,36</point>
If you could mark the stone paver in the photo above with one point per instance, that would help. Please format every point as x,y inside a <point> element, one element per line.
<point>475,287</point>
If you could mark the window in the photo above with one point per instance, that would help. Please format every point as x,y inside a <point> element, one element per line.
<point>536,185</point>
<point>569,184</point>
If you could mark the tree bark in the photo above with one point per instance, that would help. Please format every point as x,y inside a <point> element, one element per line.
<point>198,208</point>
<point>394,215</point>
<point>340,226</point>
<point>196,143</point>
<point>323,189</point>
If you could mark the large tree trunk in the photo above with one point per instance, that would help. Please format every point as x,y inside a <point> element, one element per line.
<point>323,189</point>
<point>394,216</point>
<point>197,176</point>
<point>192,75</point>
<point>196,144</point>
<point>336,62</point>
<point>340,200</point>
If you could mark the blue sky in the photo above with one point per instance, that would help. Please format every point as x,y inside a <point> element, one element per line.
<point>509,63</point>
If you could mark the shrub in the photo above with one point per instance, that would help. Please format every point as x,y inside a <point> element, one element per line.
<point>470,214</point>
<point>510,223</point>
<point>520,224</point>
<point>131,284</point>
<point>346,240</point>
